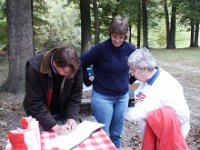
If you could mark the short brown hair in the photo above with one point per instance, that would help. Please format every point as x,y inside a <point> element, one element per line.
<point>119,25</point>
<point>66,57</point>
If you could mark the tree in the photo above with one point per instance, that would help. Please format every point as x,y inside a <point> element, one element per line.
<point>192,15</point>
<point>20,43</point>
<point>139,24</point>
<point>134,15</point>
<point>170,29</point>
<point>194,23</point>
<point>96,21</point>
<point>172,32</point>
<point>145,23</point>
<point>63,26</point>
<point>166,21</point>
<point>85,25</point>
<point>194,34</point>
<point>40,21</point>
<point>106,10</point>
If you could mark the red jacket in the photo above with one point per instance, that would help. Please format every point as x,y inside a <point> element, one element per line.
<point>163,131</point>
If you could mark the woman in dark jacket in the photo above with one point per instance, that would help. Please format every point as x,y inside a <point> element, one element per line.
<point>111,79</point>
<point>54,89</point>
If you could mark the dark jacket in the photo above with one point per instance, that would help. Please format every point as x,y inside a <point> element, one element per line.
<point>110,65</point>
<point>38,84</point>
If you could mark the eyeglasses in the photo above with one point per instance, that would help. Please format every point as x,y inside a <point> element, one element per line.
<point>132,69</point>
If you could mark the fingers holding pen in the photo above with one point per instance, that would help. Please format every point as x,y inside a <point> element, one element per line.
<point>61,129</point>
<point>69,126</point>
<point>71,123</point>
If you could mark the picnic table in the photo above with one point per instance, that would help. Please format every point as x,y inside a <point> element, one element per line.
<point>97,141</point>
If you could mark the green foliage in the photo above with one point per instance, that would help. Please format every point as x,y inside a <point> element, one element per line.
<point>189,10</point>
<point>161,38</point>
<point>106,9</point>
<point>3,25</point>
<point>61,28</point>
<point>57,22</point>
<point>157,36</point>
<point>40,22</point>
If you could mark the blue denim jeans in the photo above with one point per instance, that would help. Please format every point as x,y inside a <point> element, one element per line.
<point>110,110</point>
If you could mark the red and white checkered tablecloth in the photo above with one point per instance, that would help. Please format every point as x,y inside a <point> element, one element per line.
<point>97,141</point>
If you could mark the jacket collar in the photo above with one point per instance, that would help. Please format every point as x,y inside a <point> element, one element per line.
<point>45,65</point>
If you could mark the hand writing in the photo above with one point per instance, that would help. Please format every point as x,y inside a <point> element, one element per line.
<point>71,124</point>
<point>61,129</point>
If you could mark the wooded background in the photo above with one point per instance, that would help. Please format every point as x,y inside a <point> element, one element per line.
<point>28,26</point>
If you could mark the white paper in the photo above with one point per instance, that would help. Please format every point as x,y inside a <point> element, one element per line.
<point>81,133</point>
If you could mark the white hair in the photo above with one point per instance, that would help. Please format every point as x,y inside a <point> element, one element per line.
<point>142,58</point>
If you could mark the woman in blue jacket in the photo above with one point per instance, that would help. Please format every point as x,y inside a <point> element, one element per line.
<point>110,96</point>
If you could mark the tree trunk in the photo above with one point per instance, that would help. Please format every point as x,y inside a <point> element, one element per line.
<point>20,43</point>
<point>145,24</point>
<point>172,32</point>
<point>191,33</point>
<point>130,36</point>
<point>139,25</point>
<point>166,23</point>
<point>85,25</point>
<point>96,21</point>
<point>196,35</point>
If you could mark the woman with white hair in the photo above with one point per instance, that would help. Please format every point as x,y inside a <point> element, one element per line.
<point>158,90</point>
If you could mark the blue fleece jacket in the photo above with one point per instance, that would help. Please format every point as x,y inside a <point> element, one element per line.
<point>110,67</point>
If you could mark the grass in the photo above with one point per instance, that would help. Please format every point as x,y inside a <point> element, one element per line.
<point>184,63</point>
<point>181,63</point>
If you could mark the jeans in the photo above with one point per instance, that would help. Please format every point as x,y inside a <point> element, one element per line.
<point>110,110</point>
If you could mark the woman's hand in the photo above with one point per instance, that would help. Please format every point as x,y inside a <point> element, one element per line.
<point>91,78</point>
